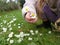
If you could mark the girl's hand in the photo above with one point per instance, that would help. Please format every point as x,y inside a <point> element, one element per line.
<point>29,19</point>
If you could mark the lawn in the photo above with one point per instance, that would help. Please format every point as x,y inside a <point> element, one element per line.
<point>14,30</point>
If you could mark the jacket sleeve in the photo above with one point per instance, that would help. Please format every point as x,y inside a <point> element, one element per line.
<point>29,6</point>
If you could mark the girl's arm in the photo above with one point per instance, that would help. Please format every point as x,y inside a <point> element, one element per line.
<point>29,6</point>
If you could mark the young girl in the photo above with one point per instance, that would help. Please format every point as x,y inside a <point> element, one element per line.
<point>33,8</point>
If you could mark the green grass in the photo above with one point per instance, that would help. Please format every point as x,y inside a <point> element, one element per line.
<point>45,39</point>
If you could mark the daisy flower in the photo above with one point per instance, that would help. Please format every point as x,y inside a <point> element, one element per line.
<point>11,41</point>
<point>21,34</point>
<point>36,31</point>
<point>31,31</point>
<point>4,29</point>
<point>8,39</point>
<point>49,32</point>
<point>10,35</point>
<point>29,38</point>
<point>41,34</point>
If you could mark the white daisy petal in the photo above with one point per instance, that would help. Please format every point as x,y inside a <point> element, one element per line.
<point>17,36</point>
<point>20,40</point>
<point>10,35</point>
<point>49,32</point>
<point>19,26</point>
<point>4,21</point>
<point>10,28</point>
<point>36,31</point>
<point>14,19</point>
<point>14,25</point>
<point>11,21</point>
<point>11,41</point>
<point>41,34</point>
<point>29,38</point>
<point>27,34</point>
<point>4,29</point>
<point>9,25</point>
<point>8,39</point>
<point>21,34</point>
<point>31,31</point>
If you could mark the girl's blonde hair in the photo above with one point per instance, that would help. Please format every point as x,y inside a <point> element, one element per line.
<point>39,6</point>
